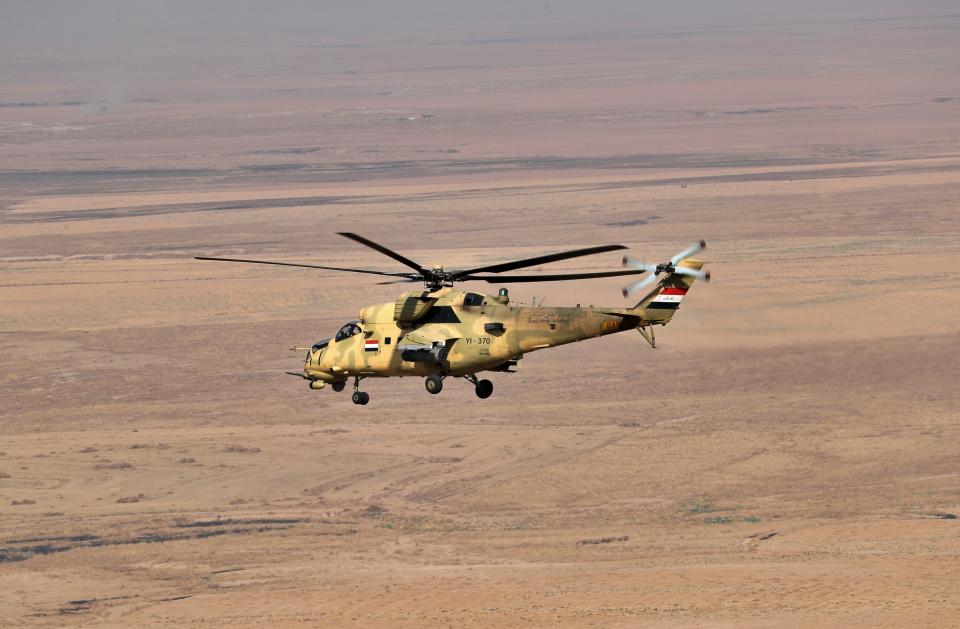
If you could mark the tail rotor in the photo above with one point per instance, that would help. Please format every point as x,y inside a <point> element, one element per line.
<point>670,267</point>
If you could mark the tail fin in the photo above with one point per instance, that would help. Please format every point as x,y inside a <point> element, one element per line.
<point>660,304</point>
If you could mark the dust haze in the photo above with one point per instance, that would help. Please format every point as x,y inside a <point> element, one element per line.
<point>787,455</point>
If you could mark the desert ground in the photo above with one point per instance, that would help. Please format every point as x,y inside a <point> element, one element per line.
<point>789,454</point>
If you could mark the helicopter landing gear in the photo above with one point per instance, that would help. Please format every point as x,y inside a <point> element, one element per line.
<point>650,337</point>
<point>338,386</point>
<point>434,384</point>
<point>483,388</point>
<point>359,397</point>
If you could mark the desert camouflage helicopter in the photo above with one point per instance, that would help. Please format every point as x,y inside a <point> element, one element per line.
<point>440,332</point>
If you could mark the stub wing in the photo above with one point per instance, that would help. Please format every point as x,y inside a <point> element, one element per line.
<point>428,339</point>
<point>431,347</point>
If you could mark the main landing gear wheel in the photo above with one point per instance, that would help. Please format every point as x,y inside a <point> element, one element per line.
<point>434,384</point>
<point>338,386</point>
<point>359,397</point>
<point>484,389</point>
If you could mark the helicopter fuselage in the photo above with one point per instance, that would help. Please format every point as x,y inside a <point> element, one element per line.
<point>456,333</point>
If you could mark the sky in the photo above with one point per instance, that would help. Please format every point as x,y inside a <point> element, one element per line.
<point>32,27</point>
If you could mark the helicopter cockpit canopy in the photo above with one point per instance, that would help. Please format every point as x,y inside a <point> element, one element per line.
<point>320,345</point>
<point>350,329</point>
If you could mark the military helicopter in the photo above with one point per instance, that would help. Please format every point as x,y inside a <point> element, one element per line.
<point>441,332</point>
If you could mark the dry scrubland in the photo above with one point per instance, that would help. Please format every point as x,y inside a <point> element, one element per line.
<point>788,455</point>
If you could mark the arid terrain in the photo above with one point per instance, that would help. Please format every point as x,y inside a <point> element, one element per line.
<point>788,456</point>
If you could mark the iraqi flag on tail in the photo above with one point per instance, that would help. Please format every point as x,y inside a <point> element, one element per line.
<point>669,298</point>
<point>371,345</point>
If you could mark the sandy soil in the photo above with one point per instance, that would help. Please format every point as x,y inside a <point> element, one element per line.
<point>787,455</point>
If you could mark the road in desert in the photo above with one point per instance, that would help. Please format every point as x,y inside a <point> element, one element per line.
<point>787,456</point>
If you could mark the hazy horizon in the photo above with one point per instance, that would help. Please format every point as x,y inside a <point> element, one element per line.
<point>35,28</point>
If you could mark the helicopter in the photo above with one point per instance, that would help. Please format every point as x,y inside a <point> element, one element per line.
<point>440,332</point>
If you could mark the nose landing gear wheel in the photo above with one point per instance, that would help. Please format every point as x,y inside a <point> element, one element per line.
<point>361,397</point>
<point>484,389</point>
<point>434,384</point>
<point>338,386</point>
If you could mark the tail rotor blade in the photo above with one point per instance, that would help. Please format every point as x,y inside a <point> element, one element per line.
<point>638,264</point>
<point>629,289</point>
<point>700,275</point>
<point>689,251</point>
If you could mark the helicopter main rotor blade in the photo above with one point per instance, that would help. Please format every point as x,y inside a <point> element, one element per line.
<point>509,279</point>
<point>403,281</point>
<point>519,264</point>
<point>306,266</point>
<point>387,252</point>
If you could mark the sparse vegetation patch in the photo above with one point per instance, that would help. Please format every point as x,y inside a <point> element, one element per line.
<point>696,507</point>
<point>119,465</point>
<point>373,511</point>
<point>603,540</point>
<point>242,449</point>
<point>230,521</point>
<point>214,528</point>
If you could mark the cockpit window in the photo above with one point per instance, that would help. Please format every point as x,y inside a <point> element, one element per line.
<point>348,330</point>
<point>472,299</point>
<point>319,345</point>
